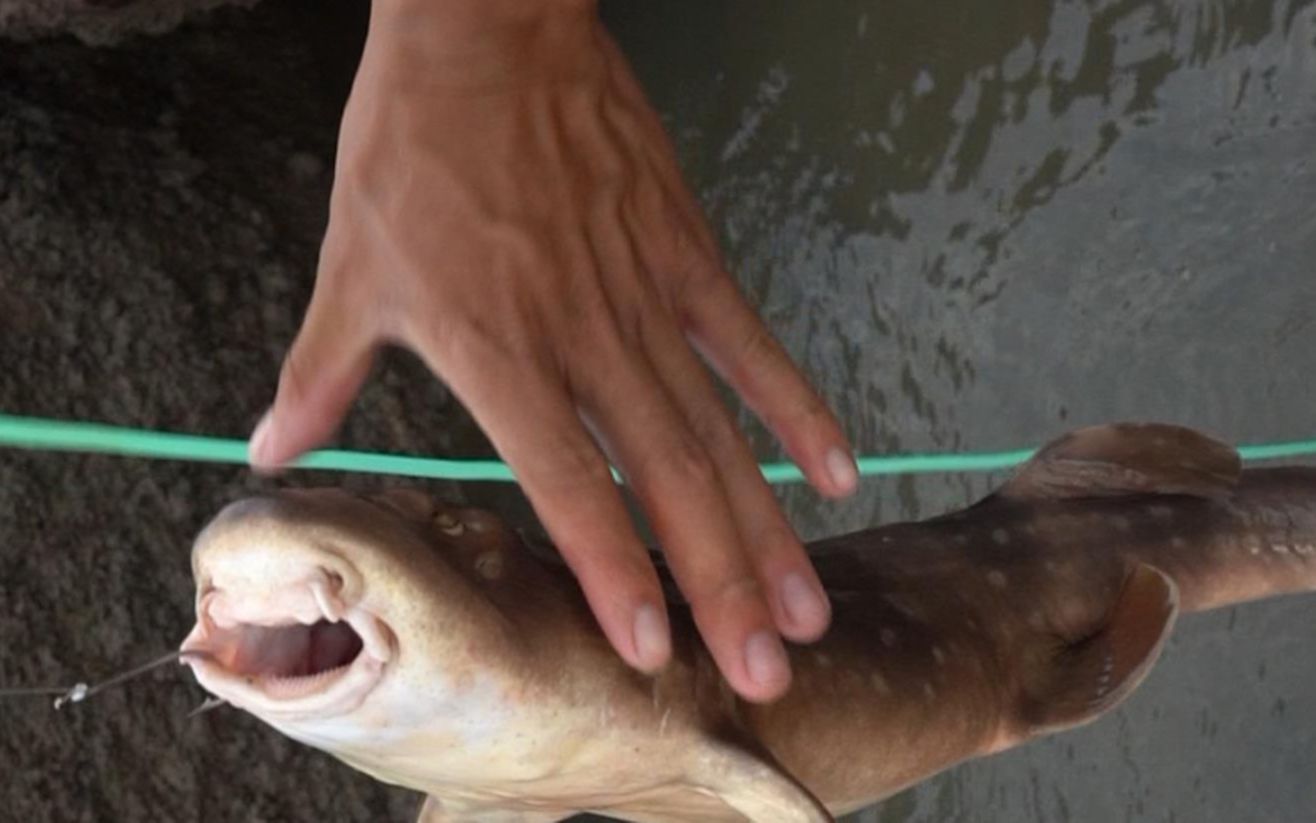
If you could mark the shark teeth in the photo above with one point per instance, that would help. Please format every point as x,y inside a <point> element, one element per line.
<point>288,688</point>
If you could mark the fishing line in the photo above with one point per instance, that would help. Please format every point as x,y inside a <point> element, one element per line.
<point>210,704</point>
<point>74,436</point>
<point>80,691</point>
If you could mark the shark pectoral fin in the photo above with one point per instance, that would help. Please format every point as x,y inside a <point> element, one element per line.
<point>1087,678</point>
<point>756,786</point>
<point>433,811</point>
<point>1127,458</point>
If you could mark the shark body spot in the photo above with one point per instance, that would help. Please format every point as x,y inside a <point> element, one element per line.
<point>449,525</point>
<point>903,606</point>
<point>879,684</point>
<point>489,565</point>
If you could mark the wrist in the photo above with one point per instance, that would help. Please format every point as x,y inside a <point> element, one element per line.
<point>466,44</point>
<point>481,13</point>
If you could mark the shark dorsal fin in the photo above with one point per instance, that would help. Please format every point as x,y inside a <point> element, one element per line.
<point>1125,459</point>
<point>1080,681</point>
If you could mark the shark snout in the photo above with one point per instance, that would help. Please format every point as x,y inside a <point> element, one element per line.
<point>265,548</point>
<point>281,628</point>
<point>315,596</point>
<point>293,650</point>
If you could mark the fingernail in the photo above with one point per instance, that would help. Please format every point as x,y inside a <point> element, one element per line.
<point>843,471</point>
<point>652,641</point>
<point>261,445</point>
<point>765,659</point>
<point>805,607</point>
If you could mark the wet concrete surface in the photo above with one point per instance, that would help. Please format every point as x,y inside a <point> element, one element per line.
<point>975,229</point>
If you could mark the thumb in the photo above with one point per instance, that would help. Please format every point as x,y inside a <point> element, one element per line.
<point>321,375</point>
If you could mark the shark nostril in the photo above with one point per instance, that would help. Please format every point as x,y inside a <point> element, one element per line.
<point>326,588</point>
<point>205,606</point>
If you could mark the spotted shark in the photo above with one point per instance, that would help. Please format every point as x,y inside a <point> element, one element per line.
<point>432,647</point>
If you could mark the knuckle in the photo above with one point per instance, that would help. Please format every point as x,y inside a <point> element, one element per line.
<point>739,588</point>
<point>699,278</point>
<point>707,291</point>
<point>713,426</point>
<point>632,573</point>
<point>774,543</point>
<point>294,377</point>
<point>574,467</point>
<point>457,339</point>
<point>810,411</point>
<point>585,316</point>
<point>612,178</point>
<point>686,462</point>
<point>737,591</point>
<point>597,343</point>
<point>758,346</point>
<point>488,341</point>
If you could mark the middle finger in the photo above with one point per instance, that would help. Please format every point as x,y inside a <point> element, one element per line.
<point>679,487</point>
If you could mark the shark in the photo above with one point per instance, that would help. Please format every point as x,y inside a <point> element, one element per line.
<point>432,647</point>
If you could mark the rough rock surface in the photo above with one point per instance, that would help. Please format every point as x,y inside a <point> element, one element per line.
<point>99,22</point>
<point>161,206</point>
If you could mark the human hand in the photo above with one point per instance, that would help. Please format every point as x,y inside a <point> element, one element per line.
<point>508,206</point>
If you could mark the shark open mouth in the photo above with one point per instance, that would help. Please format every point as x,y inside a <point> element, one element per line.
<point>293,648</point>
<point>289,653</point>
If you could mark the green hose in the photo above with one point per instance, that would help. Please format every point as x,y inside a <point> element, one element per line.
<point>59,435</point>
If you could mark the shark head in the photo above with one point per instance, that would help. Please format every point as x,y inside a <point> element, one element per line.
<point>358,625</point>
